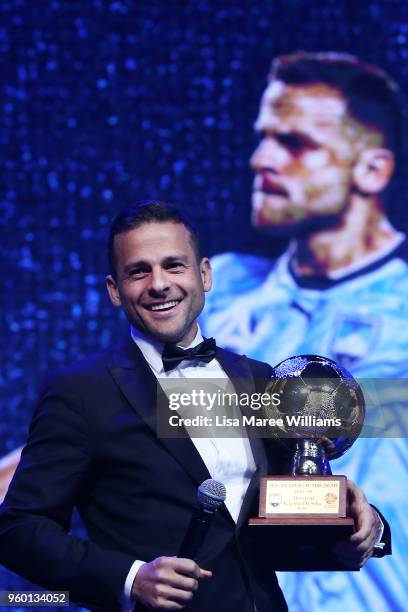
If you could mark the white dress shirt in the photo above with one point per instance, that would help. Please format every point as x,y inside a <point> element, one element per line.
<point>228,460</point>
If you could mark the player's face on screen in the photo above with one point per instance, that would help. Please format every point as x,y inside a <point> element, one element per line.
<point>303,163</point>
<point>160,283</point>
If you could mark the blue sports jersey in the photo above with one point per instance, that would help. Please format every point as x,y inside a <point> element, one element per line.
<point>259,307</point>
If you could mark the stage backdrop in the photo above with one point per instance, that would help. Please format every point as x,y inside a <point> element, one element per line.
<point>104,103</point>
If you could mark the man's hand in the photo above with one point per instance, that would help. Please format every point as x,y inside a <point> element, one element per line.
<point>355,551</point>
<point>168,583</point>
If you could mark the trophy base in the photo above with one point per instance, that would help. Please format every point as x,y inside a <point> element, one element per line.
<point>300,543</point>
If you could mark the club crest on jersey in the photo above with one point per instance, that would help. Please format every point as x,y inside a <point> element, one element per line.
<point>353,338</point>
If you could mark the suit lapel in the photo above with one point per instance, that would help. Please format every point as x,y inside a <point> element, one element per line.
<point>137,382</point>
<point>238,370</point>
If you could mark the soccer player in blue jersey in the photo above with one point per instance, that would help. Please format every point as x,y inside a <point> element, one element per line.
<point>330,130</point>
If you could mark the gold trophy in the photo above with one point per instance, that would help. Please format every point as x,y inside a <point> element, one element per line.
<point>303,514</point>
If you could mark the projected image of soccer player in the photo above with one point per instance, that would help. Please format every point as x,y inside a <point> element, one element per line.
<point>329,143</point>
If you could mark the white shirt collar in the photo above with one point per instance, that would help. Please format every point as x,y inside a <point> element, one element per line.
<point>152,349</point>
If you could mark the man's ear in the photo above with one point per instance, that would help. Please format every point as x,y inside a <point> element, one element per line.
<point>113,291</point>
<point>373,170</point>
<point>206,273</point>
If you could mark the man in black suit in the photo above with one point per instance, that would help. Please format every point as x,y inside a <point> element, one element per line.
<point>93,444</point>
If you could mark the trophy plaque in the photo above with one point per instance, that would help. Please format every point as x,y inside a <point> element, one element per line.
<point>303,514</point>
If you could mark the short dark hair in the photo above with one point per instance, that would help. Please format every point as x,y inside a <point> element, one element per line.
<point>148,211</point>
<point>373,98</point>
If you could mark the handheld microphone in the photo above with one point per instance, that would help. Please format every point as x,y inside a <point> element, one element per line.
<point>210,496</point>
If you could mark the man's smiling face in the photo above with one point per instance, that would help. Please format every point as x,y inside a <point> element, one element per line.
<point>159,282</point>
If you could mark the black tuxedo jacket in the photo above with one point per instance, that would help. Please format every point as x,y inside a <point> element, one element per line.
<point>93,445</point>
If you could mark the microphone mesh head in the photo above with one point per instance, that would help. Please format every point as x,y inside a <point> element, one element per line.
<point>211,494</point>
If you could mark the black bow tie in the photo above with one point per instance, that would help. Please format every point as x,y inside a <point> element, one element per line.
<point>173,355</point>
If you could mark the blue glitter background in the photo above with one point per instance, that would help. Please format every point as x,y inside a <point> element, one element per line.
<point>107,102</point>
